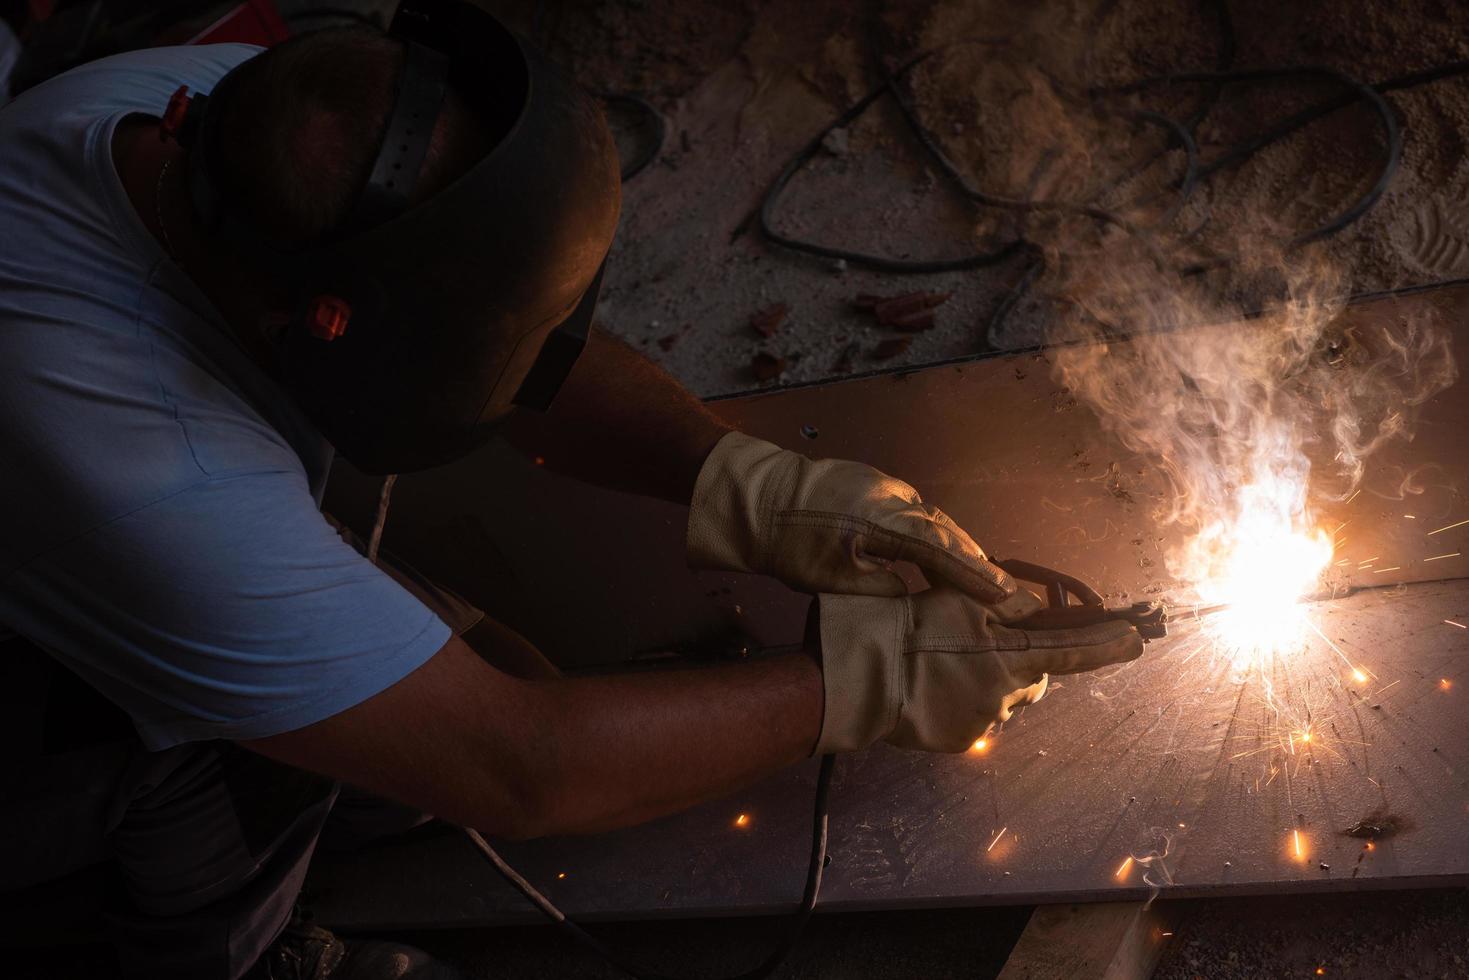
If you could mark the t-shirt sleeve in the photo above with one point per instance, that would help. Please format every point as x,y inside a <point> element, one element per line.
<point>230,609</point>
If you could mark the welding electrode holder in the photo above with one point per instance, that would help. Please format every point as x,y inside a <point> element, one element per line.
<point>1148,618</point>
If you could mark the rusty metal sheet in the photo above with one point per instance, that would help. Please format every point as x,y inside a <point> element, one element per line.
<point>1179,754</point>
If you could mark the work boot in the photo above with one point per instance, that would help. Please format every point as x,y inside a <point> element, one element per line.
<point>305,952</point>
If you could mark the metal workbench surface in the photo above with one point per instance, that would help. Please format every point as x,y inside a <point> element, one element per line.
<point>1181,771</point>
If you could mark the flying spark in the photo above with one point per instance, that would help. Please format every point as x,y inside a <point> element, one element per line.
<point>997,839</point>
<point>1447,527</point>
<point>1460,625</point>
<point>743,820</point>
<point>1123,868</point>
<point>1452,554</point>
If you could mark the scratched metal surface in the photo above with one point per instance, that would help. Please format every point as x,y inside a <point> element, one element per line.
<point>1181,752</point>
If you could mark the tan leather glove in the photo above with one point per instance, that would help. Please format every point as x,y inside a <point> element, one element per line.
<point>819,525</point>
<point>935,670</point>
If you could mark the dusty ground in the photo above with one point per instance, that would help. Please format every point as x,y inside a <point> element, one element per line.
<point>745,85</point>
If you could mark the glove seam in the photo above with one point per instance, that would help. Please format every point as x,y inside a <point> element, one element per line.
<point>782,484</point>
<point>902,628</point>
<point>797,517</point>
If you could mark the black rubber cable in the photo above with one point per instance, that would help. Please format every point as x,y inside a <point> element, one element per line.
<point>766,214</point>
<point>650,113</point>
<point>766,967</point>
<point>1392,133</point>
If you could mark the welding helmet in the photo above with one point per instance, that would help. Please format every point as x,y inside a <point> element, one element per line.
<point>414,329</point>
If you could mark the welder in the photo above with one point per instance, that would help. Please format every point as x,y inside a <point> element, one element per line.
<point>220,267</point>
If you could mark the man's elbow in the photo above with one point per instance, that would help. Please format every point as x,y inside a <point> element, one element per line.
<point>520,802</point>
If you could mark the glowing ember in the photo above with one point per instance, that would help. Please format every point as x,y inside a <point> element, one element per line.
<point>743,820</point>
<point>1359,677</point>
<point>979,745</point>
<point>1259,564</point>
<point>1123,868</point>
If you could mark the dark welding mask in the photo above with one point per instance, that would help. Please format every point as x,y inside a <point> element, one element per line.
<point>415,329</point>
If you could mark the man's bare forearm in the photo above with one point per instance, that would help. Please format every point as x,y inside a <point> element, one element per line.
<point>625,750</point>
<point>528,758</point>
<point>622,422</point>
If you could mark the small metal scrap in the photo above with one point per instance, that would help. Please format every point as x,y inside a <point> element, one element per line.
<point>891,347</point>
<point>767,367</point>
<point>909,312</point>
<point>768,321</point>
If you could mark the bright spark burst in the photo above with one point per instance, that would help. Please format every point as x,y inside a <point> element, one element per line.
<point>1259,564</point>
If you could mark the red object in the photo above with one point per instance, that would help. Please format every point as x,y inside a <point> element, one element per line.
<point>252,22</point>
<point>327,316</point>
<point>174,114</point>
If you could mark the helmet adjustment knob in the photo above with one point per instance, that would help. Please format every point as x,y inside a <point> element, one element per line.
<point>327,316</point>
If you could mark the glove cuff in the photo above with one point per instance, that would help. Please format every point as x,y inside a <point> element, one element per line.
<point>862,669</point>
<point>725,513</point>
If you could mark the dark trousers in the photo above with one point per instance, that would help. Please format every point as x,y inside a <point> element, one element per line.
<point>208,843</point>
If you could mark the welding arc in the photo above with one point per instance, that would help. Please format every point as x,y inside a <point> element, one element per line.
<point>767,966</point>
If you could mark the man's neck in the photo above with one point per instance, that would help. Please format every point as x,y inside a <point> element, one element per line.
<point>154,174</point>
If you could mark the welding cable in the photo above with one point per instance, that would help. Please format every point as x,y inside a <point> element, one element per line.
<point>1032,271</point>
<point>1223,61</point>
<point>1241,152</point>
<point>1392,132</point>
<point>653,118</point>
<point>766,967</point>
<point>881,263</point>
<point>956,176</point>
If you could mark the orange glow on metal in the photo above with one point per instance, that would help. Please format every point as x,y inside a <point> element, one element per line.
<point>1298,846</point>
<point>1444,683</point>
<point>1359,677</point>
<point>980,745</point>
<point>1123,868</point>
